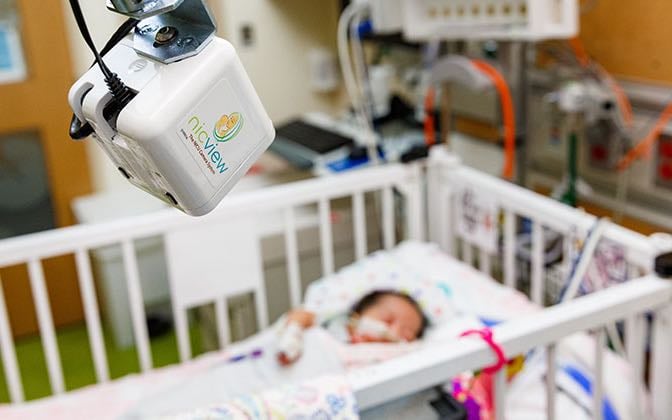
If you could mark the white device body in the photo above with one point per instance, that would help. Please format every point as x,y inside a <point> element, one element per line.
<point>192,131</point>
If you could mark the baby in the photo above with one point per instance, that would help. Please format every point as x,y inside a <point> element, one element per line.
<point>379,317</point>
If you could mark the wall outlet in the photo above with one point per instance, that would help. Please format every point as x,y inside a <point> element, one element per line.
<point>247,35</point>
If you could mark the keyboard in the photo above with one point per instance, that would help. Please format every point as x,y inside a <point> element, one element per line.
<point>300,143</point>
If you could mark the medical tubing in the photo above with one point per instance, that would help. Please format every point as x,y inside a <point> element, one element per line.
<point>586,62</point>
<point>624,104</point>
<point>573,172</point>
<point>361,76</point>
<point>621,195</point>
<point>584,260</point>
<point>430,123</point>
<point>580,270</point>
<point>366,106</point>
<point>645,146</point>
<point>508,115</point>
<point>350,12</point>
<point>344,53</point>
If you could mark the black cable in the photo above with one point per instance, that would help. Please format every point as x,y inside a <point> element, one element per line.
<point>84,30</point>
<point>119,90</point>
<point>79,129</point>
<point>119,34</point>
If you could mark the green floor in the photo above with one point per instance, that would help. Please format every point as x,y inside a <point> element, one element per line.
<point>77,361</point>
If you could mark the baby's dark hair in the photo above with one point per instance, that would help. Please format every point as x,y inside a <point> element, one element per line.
<point>372,298</point>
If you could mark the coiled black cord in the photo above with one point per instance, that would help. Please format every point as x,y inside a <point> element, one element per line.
<point>80,129</point>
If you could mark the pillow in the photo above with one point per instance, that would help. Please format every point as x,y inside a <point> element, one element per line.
<point>443,286</point>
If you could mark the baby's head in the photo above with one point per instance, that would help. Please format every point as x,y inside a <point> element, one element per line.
<point>384,316</point>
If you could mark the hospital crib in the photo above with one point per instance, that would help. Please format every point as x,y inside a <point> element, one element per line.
<point>217,256</point>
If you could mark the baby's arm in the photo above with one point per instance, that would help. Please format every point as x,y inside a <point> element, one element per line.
<point>305,319</point>
<point>290,345</point>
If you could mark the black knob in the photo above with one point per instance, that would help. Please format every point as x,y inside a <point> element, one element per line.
<point>663,265</point>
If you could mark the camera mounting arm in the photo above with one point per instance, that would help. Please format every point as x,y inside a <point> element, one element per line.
<point>169,30</point>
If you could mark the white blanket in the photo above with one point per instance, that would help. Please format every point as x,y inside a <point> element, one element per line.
<point>226,380</point>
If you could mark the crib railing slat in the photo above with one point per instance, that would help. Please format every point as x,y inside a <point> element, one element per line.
<point>92,315</point>
<point>467,252</point>
<point>598,386</point>
<point>261,306</point>
<point>661,363</point>
<point>359,222</point>
<point>8,351</point>
<point>538,266</point>
<point>326,237</point>
<point>445,218</point>
<point>415,216</point>
<point>634,342</point>
<point>292,258</point>
<point>137,305</point>
<point>635,327</point>
<point>222,319</point>
<point>388,218</point>
<point>500,394</point>
<point>46,324</point>
<point>182,332</point>
<point>615,340</point>
<point>550,382</point>
<point>568,254</point>
<point>485,262</point>
<point>509,249</point>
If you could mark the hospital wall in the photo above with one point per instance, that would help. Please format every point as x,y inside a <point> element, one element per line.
<point>283,33</point>
<point>641,52</point>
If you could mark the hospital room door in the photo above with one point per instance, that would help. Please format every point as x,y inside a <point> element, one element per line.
<point>41,169</point>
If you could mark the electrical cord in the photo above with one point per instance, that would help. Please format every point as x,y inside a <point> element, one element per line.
<point>79,129</point>
<point>121,93</point>
<point>84,30</point>
<point>119,34</point>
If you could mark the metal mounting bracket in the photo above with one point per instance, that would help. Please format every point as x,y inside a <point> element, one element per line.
<point>169,30</point>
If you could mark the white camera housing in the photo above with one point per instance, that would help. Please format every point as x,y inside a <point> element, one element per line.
<point>192,131</point>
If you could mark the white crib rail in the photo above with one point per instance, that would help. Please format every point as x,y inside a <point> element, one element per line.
<point>630,302</point>
<point>446,175</point>
<point>432,365</point>
<point>284,199</point>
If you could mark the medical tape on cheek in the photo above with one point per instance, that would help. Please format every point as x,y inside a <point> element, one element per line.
<point>372,328</point>
<point>486,335</point>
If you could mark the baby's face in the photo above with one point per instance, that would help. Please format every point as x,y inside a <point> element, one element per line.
<point>400,316</point>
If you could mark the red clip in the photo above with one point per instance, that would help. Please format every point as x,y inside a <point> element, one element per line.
<point>487,336</point>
